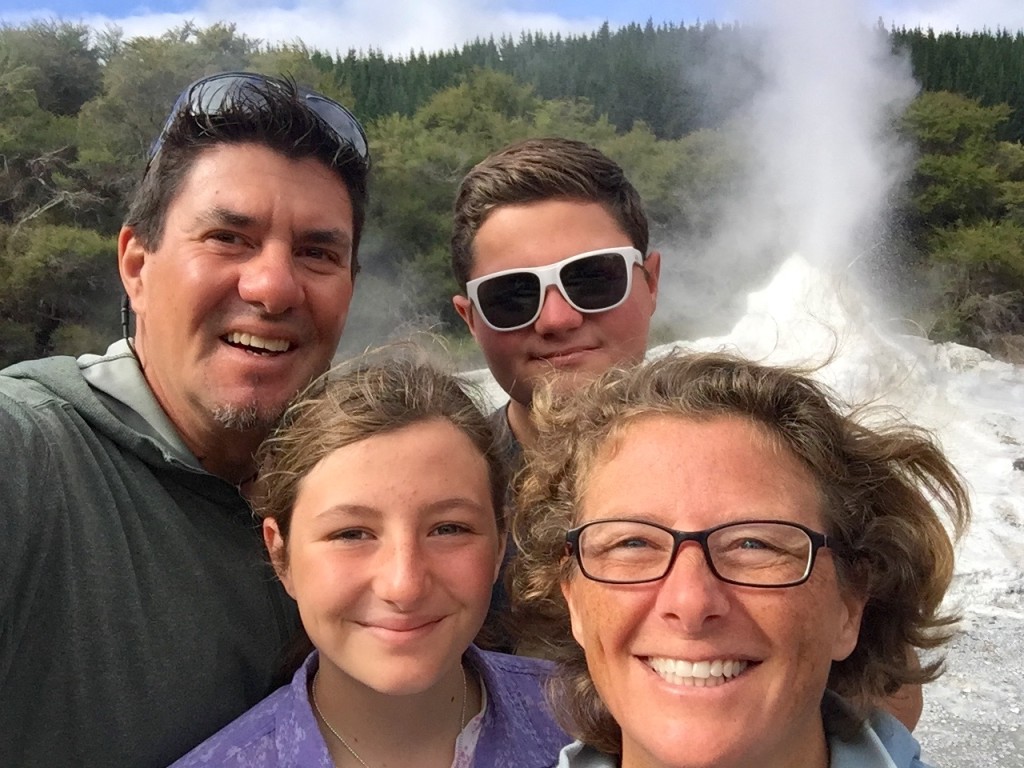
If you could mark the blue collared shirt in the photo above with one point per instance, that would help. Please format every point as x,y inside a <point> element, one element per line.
<point>881,742</point>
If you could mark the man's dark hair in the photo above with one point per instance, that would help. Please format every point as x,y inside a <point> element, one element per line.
<point>273,114</point>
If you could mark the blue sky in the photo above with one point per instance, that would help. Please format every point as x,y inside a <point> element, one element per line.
<point>397,26</point>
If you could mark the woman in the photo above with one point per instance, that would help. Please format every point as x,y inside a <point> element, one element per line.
<point>381,498</point>
<point>742,566</point>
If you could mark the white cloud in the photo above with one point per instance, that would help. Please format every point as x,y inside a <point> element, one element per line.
<point>392,26</point>
<point>948,15</point>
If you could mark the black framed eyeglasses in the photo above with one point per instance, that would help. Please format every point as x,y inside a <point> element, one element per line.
<point>748,553</point>
<point>215,93</point>
<point>595,281</point>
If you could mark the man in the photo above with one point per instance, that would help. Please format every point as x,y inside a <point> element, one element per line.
<point>522,217</point>
<point>544,233</point>
<point>136,613</point>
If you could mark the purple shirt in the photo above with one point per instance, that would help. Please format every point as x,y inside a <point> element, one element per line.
<point>281,731</point>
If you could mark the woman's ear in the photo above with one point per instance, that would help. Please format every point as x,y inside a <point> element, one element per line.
<point>847,624</point>
<point>574,617</point>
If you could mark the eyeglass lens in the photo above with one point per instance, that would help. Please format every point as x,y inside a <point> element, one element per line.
<point>756,554</point>
<point>509,300</point>
<point>595,282</point>
<point>591,284</point>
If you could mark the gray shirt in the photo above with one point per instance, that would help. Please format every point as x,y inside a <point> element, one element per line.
<point>137,612</point>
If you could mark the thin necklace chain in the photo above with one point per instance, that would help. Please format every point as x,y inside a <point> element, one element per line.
<point>345,744</point>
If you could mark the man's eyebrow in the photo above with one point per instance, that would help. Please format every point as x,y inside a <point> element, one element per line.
<point>226,217</point>
<point>339,238</point>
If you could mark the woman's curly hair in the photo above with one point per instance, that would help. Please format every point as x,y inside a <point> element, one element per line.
<point>888,495</point>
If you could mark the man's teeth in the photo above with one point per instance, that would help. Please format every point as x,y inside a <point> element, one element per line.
<point>700,674</point>
<point>258,342</point>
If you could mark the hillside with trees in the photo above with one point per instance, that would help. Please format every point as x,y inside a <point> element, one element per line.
<point>78,113</point>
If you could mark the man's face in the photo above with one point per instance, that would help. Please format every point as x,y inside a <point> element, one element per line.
<point>245,298</point>
<point>563,342</point>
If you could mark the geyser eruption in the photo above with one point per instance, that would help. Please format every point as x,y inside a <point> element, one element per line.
<point>820,153</point>
<point>820,131</point>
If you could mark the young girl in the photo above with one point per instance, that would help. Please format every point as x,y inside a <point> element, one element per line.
<point>381,497</point>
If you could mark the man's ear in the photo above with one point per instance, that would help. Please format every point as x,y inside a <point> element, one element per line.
<point>652,275</point>
<point>464,307</point>
<point>131,258</point>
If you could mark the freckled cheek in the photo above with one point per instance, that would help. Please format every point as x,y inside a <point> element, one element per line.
<point>470,573</point>
<point>610,624</point>
<point>326,590</point>
<point>324,608</point>
<point>810,659</point>
<point>804,629</point>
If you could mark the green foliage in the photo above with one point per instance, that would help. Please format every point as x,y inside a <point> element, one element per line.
<point>65,70</point>
<point>657,75</point>
<point>981,65</point>
<point>1010,162</point>
<point>54,275</point>
<point>74,338</point>
<point>969,201</point>
<point>680,181</point>
<point>17,342</point>
<point>143,81</point>
<point>653,165</point>
<point>946,123</point>
<point>956,188</point>
<point>957,179</point>
<point>420,160</point>
<point>37,150</point>
<point>301,64</point>
<point>989,255</point>
<point>25,127</point>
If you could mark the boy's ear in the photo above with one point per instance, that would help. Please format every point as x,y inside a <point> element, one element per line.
<point>464,307</point>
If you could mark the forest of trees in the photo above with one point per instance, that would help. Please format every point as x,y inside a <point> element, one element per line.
<point>78,111</point>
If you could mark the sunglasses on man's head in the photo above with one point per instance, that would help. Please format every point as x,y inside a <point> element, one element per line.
<point>595,281</point>
<point>216,93</point>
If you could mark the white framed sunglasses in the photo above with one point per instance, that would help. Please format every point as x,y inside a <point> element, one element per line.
<point>590,282</point>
